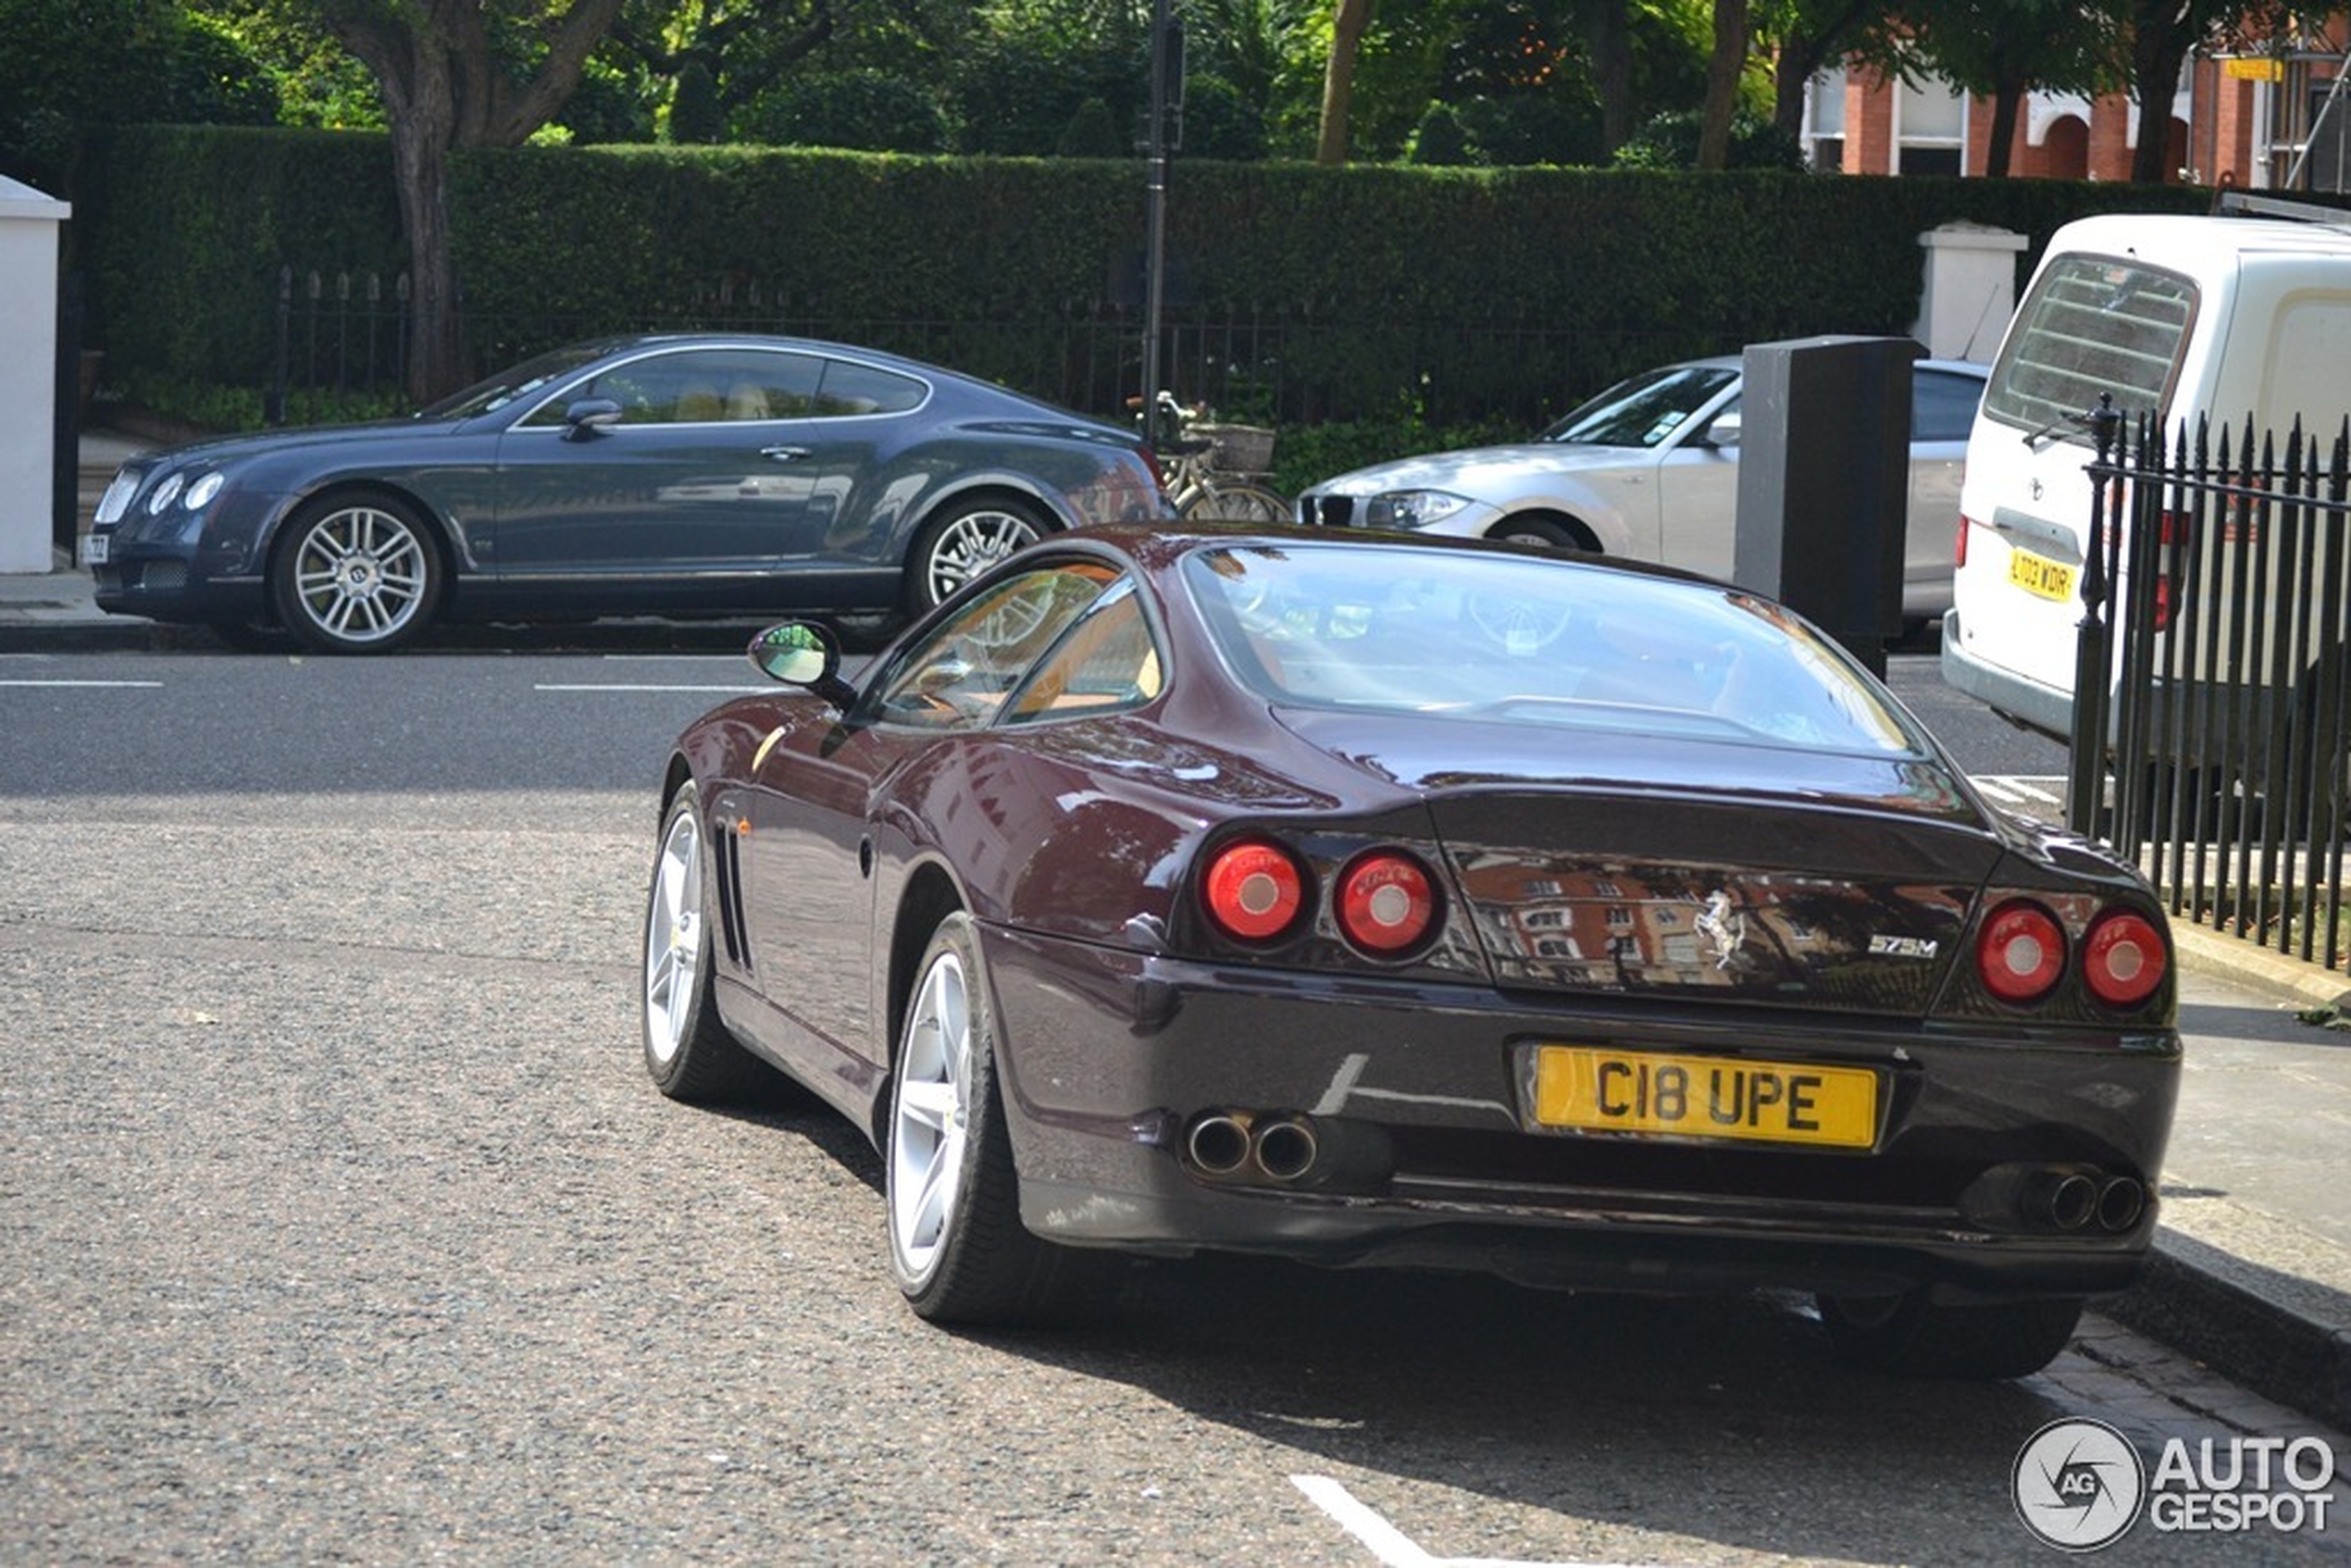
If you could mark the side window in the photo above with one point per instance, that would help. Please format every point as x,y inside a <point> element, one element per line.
<point>1942,404</point>
<point>851,390</point>
<point>959,676</point>
<point>1107,662</point>
<point>703,387</point>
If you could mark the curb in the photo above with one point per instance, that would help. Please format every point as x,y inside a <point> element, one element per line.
<point>2207,952</point>
<point>2270,1331</point>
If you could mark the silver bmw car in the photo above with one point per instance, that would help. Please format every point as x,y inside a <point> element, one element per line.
<point>1650,469</point>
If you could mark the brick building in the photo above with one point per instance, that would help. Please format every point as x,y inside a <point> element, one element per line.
<point>2269,117</point>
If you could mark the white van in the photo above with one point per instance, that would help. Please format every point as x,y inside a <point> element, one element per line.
<point>2222,317</point>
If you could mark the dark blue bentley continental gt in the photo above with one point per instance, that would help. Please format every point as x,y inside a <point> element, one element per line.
<point>1368,899</point>
<point>690,476</point>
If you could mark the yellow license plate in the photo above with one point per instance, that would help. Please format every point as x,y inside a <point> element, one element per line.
<point>2039,576</point>
<point>1596,1089</point>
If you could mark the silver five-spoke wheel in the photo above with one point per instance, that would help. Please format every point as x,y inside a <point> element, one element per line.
<point>930,1118</point>
<point>673,940</point>
<point>690,1053</point>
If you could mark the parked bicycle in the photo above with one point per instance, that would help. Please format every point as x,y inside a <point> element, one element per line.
<point>1209,466</point>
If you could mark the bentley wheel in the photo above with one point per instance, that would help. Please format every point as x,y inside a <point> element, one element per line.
<point>956,1243</point>
<point>689,1050</point>
<point>357,576</point>
<point>967,540</point>
<point>1913,1335</point>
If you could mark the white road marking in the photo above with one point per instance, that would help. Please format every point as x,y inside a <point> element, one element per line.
<point>134,685</point>
<point>623,685</point>
<point>1390,1545</point>
<point>2015,789</point>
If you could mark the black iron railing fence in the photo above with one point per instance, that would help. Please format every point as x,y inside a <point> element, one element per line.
<point>2219,593</point>
<point>1274,364</point>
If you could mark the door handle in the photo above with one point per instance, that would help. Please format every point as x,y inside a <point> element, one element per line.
<point>784,454</point>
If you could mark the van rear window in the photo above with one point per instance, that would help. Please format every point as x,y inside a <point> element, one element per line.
<point>2091,325</point>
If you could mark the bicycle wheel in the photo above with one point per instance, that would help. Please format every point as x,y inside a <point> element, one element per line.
<point>1234,501</point>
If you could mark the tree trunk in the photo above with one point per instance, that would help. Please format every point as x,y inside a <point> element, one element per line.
<point>1723,68</point>
<point>1609,32</point>
<point>2008,104</point>
<point>2158,48</point>
<point>1338,79</point>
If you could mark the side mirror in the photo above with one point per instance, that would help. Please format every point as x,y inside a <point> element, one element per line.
<point>805,654</point>
<point>1723,431</point>
<point>589,415</point>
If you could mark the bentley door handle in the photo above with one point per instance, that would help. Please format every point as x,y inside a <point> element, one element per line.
<point>784,454</point>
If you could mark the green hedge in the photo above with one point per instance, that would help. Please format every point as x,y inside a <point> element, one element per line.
<point>1385,294</point>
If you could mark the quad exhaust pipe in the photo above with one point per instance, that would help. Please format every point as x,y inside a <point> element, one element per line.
<point>1289,1149</point>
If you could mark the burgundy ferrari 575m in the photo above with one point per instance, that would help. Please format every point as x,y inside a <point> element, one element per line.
<point>1417,901</point>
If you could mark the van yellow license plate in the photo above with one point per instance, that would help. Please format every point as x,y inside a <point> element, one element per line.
<point>1592,1088</point>
<point>2039,576</point>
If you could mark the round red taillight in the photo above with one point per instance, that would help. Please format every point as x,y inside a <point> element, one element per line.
<point>1254,890</point>
<point>2021,953</point>
<point>2123,959</point>
<point>1387,901</point>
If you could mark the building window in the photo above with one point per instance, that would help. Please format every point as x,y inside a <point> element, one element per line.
<point>1931,130</point>
<point>1824,123</point>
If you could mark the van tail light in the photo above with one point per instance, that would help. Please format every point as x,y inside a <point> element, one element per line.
<point>2173,528</point>
<point>2122,960</point>
<point>2021,954</point>
<point>1386,903</point>
<point>1254,890</point>
<point>1959,548</point>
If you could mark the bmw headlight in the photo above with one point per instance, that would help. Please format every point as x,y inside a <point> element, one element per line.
<point>1412,508</point>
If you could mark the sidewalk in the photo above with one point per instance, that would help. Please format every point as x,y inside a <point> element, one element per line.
<point>2252,1268</point>
<point>55,607</point>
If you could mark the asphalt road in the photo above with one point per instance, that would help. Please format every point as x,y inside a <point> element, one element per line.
<point>338,1224</point>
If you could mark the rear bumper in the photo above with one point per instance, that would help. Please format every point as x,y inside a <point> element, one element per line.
<point>1111,1060</point>
<point>2033,704</point>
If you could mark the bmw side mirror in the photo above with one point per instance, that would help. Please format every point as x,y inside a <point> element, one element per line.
<point>804,654</point>
<point>589,415</point>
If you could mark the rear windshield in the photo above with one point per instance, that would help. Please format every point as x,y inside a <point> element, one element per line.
<point>1504,639</point>
<point>2091,325</point>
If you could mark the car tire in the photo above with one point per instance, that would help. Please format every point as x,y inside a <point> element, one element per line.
<point>1543,533</point>
<point>356,574</point>
<point>957,1247</point>
<point>967,539</point>
<point>1913,1335</point>
<point>690,1053</point>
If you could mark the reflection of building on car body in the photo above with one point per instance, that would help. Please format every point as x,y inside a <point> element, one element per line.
<point>1289,894</point>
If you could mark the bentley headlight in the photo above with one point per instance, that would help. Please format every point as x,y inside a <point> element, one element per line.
<point>164,494</point>
<point>200,493</point>
<point>1412,508</point>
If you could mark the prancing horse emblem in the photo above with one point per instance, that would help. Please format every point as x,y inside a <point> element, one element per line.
<point>1723,928</point>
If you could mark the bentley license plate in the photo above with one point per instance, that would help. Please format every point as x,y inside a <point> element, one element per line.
<point>1590,1088</point>
<point>2039,576</point>
<point>93,548</point>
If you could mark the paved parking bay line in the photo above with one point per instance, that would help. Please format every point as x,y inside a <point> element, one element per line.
<point>1390,1545</point>
<point>2021,790</point>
